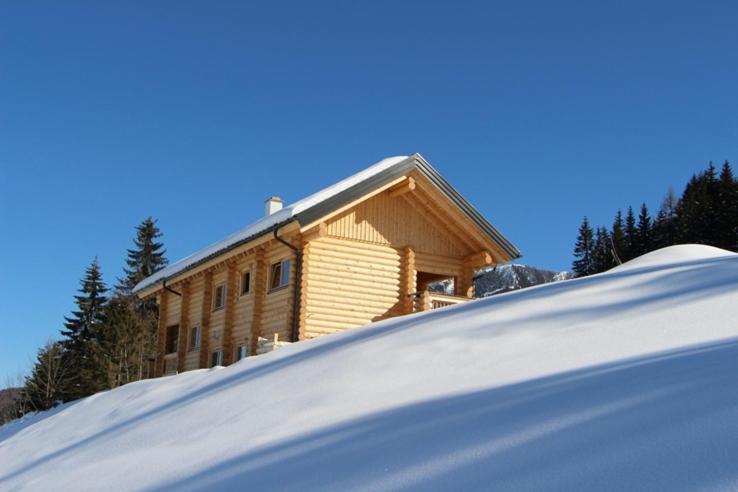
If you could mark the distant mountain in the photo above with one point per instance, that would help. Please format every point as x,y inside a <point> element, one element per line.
<point>505,278</point>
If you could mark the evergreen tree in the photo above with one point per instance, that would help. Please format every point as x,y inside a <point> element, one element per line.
<point>145,259</point>
<point>583,251</point>
<point>133,322</point>
<point>602,259</point>
<point>697,210</point>
<point>45,386</point>
<point>727,209</point>
<point>617,239</point>
<point>665,225</point>
<point>631,236</point>
<point>129,340</point>
<point>643,232</point>
<point>84,342</point>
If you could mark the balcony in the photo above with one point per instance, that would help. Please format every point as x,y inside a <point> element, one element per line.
<point>426,301</point>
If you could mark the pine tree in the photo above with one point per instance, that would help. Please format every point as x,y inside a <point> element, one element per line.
<point>132,321</point>
<point>129,337</point>
<point>145,259</point>
<point>727,209</point>
<point>665,225</point>
<point>602,259</point>
<point>583,264</point>
<point>45,386</point>
<point>84,338</point>
<point>697,211</point>
<point>643,232</point>
<point>617,239</point>
<point>631,236</point>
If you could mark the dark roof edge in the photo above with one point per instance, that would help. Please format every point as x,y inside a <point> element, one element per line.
<point>468,209</point>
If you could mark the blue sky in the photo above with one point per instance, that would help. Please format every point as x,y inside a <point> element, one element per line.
<point>195,112</point>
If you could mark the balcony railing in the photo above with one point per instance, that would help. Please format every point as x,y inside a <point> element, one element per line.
<point>425,301</point>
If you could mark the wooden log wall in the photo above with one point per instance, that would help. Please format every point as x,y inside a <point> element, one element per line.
<point>260,287</point>
<point>162,336</point>
<point>205,309</point>
<point>184,323</point>
<point>409,280</point>
<point>228,316</point>
<point>349,283</point>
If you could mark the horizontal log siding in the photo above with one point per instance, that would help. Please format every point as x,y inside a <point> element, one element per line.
<point>442,265</point>
<point>391,221</point>
<point>348,284</point>
<point>217,317</point>
<point>192,359</point>
<point>244,306</point>
<point>174,308</point>
<point>277,307</point>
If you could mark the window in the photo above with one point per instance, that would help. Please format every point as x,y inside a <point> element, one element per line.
<point>172,341</point>
<point>240,352</point>
<point>280,275</point>
<point>220,297</point>
<point>194,338</point>
<point>216,359</point>
<point>245,283</point>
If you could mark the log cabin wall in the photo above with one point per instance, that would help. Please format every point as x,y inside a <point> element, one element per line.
<point>365,266</point>
<point>266,310</point>
<point>359,266</point>
<point>196,288</point>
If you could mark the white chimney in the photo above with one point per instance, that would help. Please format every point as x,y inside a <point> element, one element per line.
<point>272,204</point>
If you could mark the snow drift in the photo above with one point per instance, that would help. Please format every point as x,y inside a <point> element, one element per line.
<point>625,380</point>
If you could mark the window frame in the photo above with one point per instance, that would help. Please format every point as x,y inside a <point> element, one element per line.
<point>171,341</point>
<point>198,339</point>
<point>219,358</point>
<point>283,282</point>
<point>248,285</point>
<point>223,286</point>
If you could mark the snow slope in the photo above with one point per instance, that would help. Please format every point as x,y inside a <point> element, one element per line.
<point>626,380</point>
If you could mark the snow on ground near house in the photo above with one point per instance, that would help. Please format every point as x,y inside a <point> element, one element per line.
<point>626,380</point>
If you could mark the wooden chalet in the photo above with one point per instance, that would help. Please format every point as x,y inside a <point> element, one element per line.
<point>362,250</point>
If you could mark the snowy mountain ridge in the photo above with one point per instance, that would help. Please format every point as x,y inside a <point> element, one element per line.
<point>504,278</point>
<point>625,380</point>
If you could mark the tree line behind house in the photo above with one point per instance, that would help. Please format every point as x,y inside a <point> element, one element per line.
<point>705,213</point>
<point>107,341</point>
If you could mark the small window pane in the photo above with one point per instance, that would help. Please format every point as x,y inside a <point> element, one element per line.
<point>245,283</point>
<point>172,340</point>
<point>195,338</point>
<point>285,273</point>
<point>240,352</point>
<point>276,275</point>
<point>220,294</point>
<point>216,359</point>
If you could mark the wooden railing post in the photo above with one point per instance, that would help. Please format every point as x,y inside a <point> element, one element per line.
<point>425,301</point>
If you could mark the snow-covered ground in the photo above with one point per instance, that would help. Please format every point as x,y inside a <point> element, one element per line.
<point>626,380</point>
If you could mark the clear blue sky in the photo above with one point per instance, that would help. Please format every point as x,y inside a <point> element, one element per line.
<point>194,112</point>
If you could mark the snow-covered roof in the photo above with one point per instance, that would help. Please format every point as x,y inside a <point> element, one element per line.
<point>319,204</point>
